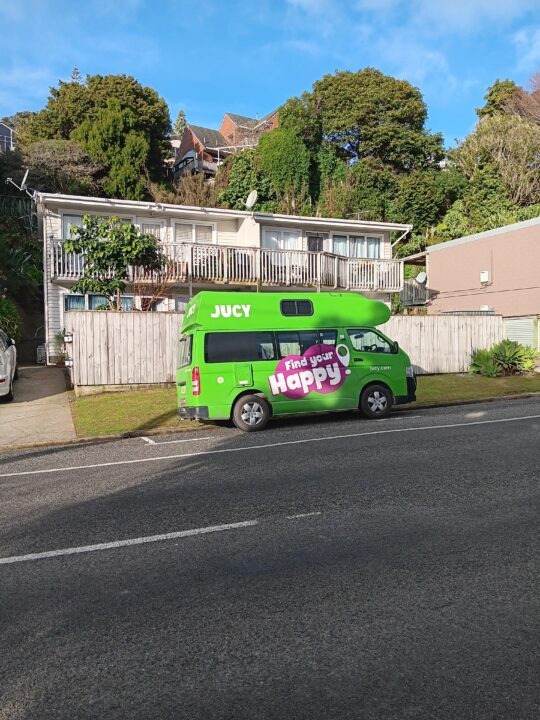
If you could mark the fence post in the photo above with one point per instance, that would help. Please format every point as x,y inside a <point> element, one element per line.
<point>190,272</point>
<point>319,264</point>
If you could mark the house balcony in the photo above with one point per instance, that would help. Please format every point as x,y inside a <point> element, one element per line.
<point>191,165</point>
<point>201,265</point>
<point>413,293</point>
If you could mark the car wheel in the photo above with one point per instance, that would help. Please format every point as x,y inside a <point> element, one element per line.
<point>9,396</point>
<point>376,402</point>
<point>251,412</point>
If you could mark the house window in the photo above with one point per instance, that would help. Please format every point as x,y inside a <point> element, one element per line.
<point>93,302</point>
<point>188,232</point>
<point>357,246</point>
<point>69,222</point>
<point>281,239</point>
<point>74,302</point>
<point>154,229</point>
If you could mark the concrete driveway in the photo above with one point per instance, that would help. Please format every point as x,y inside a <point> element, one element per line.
<point>40,412</point>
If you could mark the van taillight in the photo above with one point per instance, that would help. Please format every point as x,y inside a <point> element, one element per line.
<point>195,381</point>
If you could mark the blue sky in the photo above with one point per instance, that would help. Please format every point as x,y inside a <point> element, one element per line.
<point>209,57</point>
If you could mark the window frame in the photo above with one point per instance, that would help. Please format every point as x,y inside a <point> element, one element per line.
<point>240,332</point>
<point>365,236</point>
<point>296,301</point>
<point>193,225</point>
<point>64,213</point>
<point>299,238</point>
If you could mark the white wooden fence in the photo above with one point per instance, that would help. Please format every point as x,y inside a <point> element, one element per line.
<point>443,343</point>
<point>134,348</point>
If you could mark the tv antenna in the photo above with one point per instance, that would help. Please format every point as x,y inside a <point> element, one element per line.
<point>22,186</point>
<point>251,199</point>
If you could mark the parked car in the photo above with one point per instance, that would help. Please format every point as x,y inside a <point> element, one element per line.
<point>8,366</point>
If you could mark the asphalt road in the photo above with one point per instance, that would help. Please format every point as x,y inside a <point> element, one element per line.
<point>329,567</point>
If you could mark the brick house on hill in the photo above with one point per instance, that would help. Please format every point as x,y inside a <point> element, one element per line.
<point>203,149</point>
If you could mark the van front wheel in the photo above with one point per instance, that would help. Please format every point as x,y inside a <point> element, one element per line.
<point>376,402</point>
<point>251,412</point>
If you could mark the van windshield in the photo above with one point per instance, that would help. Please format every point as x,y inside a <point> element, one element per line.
<point>184,351</point>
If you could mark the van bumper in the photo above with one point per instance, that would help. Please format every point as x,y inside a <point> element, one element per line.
<point>193,413</point>
<point>411,393</point>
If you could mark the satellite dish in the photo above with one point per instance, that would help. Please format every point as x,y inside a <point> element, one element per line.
<point>421,278</point>
<point>25,178</point>
<point>251,199</point>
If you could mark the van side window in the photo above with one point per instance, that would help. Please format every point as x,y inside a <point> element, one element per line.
<point>296,307</point>
<point>238,347</point>
<point>367,340</point>
<point>184,351</point>
<point>328,337</point>
<point>293,342</point>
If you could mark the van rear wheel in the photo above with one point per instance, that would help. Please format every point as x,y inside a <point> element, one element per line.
<point>251,412</point>
<point>376,402</point>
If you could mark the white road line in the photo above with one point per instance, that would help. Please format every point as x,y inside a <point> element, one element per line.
<point>126,543</point>
<point>302,515</point>
<point>170,442</point>
<point>303,441</point>
<point>148,440</point>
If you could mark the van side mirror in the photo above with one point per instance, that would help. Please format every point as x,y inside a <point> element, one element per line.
<point>396,346</point>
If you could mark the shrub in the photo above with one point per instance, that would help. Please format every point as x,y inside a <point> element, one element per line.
<point>10,318</point>
<point>504,358</point>
<point>483,363</point>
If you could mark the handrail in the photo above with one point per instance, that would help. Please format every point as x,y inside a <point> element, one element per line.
<point>229,265</point>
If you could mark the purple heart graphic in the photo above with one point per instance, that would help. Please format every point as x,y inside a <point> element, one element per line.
<point>320,369</point>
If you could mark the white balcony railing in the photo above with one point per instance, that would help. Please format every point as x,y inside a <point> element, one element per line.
<point>222,264</point>
<point>413,293</point>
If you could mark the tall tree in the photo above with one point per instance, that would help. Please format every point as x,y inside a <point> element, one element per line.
<point>370,114</point>
<point>77,102</point>
<point>497,96</point>
<point>284,159</point>
<point>180,124</point>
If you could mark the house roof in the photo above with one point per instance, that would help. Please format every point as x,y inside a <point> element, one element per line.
<point>209,138</point>
<point>143,207</point>
<point>473,238</point>
<point>243,121</point>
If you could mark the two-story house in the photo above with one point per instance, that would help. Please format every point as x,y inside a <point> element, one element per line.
<point>213,248</point>
<point>202,149</point>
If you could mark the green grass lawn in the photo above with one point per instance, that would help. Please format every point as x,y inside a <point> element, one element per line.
<point>143,410</point>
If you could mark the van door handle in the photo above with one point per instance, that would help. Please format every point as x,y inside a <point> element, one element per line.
<point>358,359</point>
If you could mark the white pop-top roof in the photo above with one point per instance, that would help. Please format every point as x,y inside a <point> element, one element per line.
<point>142,207</point>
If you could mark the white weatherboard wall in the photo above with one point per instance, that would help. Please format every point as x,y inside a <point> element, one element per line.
<point>139,348</point>
<point>443,343</point>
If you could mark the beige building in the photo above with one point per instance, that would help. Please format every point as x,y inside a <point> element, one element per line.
<point>212,248</point>
<point>496,271</point>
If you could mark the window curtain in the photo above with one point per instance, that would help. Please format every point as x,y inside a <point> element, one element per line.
<point>183,233</point>
<point>339,244</point>
<point>373,247</point>
<point>203,233</point>
<point>74,302</point>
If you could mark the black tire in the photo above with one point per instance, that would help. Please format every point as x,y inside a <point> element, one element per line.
<point>376,402</point>
<point>9,397</point>
<point>251,412</point>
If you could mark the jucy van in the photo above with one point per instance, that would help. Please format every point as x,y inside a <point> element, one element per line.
<point>249,356</point>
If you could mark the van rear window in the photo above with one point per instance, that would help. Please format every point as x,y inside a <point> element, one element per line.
<point>296,307</point>
<point>184,351</point>
<point>238,347</point>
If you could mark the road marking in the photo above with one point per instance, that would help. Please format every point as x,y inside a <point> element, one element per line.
<point>126,543</point>
<point>302,515</point>
<point>147,440</point>
<point>170,442</point>
<point>303,441</point>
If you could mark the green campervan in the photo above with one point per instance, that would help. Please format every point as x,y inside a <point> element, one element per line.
<point>249,356</point>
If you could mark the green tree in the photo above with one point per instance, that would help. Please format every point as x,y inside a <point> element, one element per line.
<point>110,247</point>
<point>238,176</point>
<point>77,102</point>
<point>370,114</point>
<point>284,158</point>
<point>112,139</point>
<point>420,200</point>
<point>496,97</point>
<point>180,124</point>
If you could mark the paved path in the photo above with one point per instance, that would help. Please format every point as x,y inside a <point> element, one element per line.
<point>326,569</point>
<point>40,412</point>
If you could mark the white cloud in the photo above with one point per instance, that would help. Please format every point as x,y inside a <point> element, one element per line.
<point>527,44</point>
<point>312,6</point>
<point>468,15</point>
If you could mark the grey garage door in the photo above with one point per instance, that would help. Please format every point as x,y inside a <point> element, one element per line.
<point>521,329</point>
